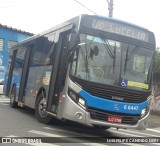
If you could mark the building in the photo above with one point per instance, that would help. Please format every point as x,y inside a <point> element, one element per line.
<point>8,37</point>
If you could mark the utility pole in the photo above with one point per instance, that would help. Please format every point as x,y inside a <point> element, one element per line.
<point>110,7</point>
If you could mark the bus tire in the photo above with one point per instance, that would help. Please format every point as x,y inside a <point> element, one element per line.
<point>40,111</point>
<point>13,103</point>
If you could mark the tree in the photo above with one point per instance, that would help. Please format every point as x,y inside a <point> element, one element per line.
<point>156,73</point>
<point>156,69</point>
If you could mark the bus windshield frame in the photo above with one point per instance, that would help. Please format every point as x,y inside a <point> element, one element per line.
<point>118,63</point>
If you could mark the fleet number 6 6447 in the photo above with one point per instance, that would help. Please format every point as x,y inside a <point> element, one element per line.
<point>130,107</point>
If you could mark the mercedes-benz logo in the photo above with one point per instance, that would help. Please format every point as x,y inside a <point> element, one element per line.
<point>116,107</point>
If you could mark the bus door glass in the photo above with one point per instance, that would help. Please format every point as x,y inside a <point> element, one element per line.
<point>62,68</point>
<point>59,71</point>
<point>9,72</point>
<point>18,67</point>
<point>41,64</point>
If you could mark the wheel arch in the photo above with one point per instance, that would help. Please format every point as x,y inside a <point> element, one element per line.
<point>40,114</point>
<point>41,90</point>
<point>12,96</point>
<point>13,85</point>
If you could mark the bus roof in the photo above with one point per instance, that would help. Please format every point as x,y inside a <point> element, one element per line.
<point>76,20</point>
<point>43,33</point>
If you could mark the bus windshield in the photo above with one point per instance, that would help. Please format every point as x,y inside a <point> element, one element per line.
<point>107,61</point>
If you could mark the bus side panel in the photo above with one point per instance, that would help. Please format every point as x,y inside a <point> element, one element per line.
<point>38,77</point>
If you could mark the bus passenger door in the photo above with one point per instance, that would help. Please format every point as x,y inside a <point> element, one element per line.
<point>24,76</point>
<point>18,72</point>
<point>59,71</point>
<point>9,72</point>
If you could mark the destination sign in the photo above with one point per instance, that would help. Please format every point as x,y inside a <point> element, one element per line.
<point>116,28</point>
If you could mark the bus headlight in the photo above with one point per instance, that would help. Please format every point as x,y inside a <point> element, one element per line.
<point>76,98</point>
<point>81,101</point>
<point>144,112</point>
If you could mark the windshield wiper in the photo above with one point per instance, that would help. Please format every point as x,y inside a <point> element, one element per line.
<point>108,47</point>
<point>130,56</point>
<point>114,59</point>
<point>126,60</point>
<point>111,53</point>
<point>85,57</point>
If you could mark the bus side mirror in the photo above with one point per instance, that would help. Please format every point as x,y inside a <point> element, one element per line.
<point>73,41</point>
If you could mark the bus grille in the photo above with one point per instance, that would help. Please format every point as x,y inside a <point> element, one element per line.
<point>110,93</point>
<point>115,93</point>
<point>102,116</point>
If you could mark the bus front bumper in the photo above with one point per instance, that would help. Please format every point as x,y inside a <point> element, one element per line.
<point>141,124</point>
<point>74,112</point>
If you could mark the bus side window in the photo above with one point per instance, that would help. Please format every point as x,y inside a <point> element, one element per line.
<point>44,51</point>
<point>42,60</point>
<point>18,64</point>
<point>50,48</point>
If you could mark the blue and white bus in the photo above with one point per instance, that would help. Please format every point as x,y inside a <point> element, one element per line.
<point>90,69</point>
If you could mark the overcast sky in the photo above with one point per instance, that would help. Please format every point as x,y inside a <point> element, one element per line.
<point>36,16</point>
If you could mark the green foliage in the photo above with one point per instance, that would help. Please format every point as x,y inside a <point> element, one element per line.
<point>156,70</point>
<point>156,73</point>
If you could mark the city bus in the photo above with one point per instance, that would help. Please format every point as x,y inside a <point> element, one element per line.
<point>90,69</point>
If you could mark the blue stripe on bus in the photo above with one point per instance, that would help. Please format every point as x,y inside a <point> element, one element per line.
<point>113,106</point>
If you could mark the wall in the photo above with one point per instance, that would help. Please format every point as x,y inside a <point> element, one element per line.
<point>155,100</point>
<point>8,35</point>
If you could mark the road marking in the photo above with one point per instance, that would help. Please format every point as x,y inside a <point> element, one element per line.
<point>4,100</point>
<point>42,144</point>
<point>77,135</point>
<point>5,104</point>
<point>45,133</point>
<point>119,132</point>
<point>128,134</point>
<point>153,130</point>
<point>11,136</point>
<point>69,132</point>
<point>63,136</point>
<point>139,132</point>
<point>156,143</point>
<point>133,144</point>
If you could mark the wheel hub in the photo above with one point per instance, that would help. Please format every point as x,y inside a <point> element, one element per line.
<point>42,108</point>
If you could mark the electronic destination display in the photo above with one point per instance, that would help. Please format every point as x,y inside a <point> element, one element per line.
<point>115,27</point>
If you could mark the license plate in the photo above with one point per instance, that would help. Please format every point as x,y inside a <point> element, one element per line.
<point>114,119</point>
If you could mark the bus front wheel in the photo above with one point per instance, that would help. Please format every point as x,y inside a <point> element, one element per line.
<point>13,103</point>
<point>40,110</point>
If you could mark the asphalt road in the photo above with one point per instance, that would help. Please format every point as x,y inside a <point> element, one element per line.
<point>154,120</point>
<point>22,123</point>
